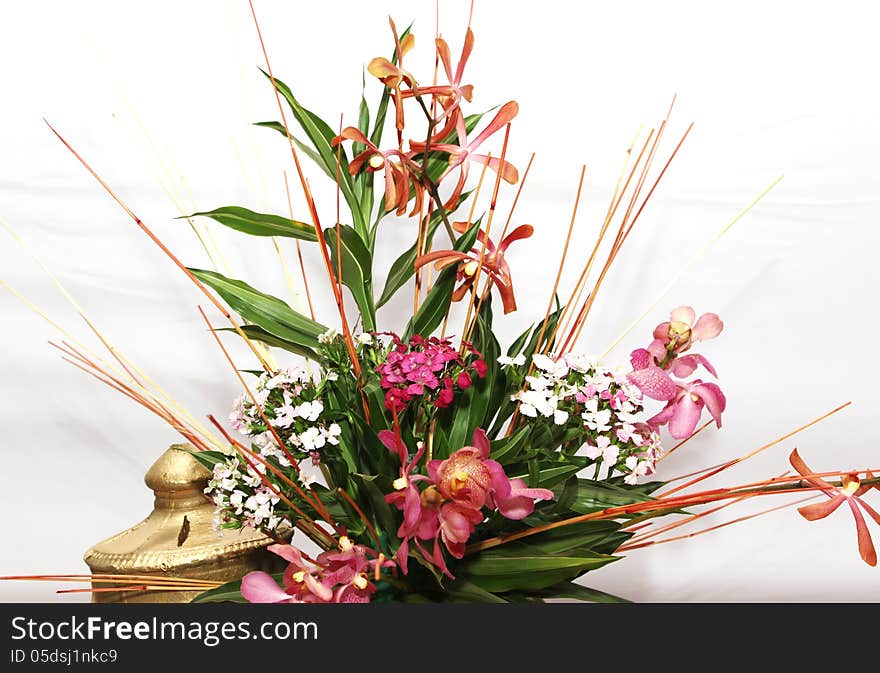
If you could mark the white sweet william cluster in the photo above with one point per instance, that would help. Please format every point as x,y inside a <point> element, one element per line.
<point>241,497</point>
<point>575,389</point>
<point>289,400</point>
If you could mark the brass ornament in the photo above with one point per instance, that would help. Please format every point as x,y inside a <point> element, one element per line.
<point>178,537</point>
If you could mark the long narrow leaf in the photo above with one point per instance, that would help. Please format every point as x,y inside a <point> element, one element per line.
<point>259,224</point>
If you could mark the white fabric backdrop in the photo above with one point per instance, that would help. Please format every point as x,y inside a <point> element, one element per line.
<point>148,90</point>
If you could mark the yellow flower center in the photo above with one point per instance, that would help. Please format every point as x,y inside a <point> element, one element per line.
<point>376,161</point>
<point>360,581</point>
<point>470,268</point>
<point>298,577</point>
<point>399,484</point>
<point>850,484</point>
<point>345,543</point>
<point>459,481</point>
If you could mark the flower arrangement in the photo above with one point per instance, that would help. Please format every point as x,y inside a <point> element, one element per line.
<point>430,463</point>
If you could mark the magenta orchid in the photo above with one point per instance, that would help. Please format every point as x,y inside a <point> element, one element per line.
<point>336,576</point>
<point>457,490</point>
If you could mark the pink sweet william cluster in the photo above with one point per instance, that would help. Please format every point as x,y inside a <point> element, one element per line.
<point>455,492</point>
<point>654,367</point>
<point>336,576</point>
<point>426,367</point>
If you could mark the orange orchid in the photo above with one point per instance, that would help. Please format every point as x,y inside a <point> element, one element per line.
<point>393,76</point>
<point>851,492</point>
<point>493,263</point>
<point>394,163</point>
<point>449,95</point>
<point>462,154</point>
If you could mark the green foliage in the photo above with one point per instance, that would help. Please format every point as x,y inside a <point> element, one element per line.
<point>357,272</point>
<point>263,310</point>
<point>259,224</point>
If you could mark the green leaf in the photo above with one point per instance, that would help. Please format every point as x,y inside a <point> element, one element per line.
<point>580,593</point>
<point>206,458</point>
<point>593,496</point>
<point>508,449</point>
<point>357,272</point>
<point>374,488</point>
<point>259,224</point>
<point>255,333</point>
<point>308,151</point>
<point>263,310</point>
<point>436,304</point>
<point>321,135</point>
<point>404,266</point>
<point>518,566</point>
<point>462,591</point>
<point>225,593</point>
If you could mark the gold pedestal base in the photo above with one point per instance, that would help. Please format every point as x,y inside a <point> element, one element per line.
<point>177,538</point>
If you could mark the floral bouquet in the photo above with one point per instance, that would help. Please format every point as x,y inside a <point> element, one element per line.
<point>426,461</point>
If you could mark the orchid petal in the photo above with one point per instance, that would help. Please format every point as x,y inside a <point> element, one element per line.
<point>640,359</point>
<point>821,509</point>
<point>798,464</point>
<point>322,592</point>
<point>445,57</point>
<point>288,552</point>
<point>653,382</point>
<point>684,314</point>
<point>707,327</point>
<point>394,443</point>
<point>402,555</point>
<point>521,232</point>
<point>684,366</point>
<point>685,417</point>
<point>466,50</point>
<point>381,68</point>
<point>481,442</point>
<point>870,510</point>
<point>663,415</point>
<point>507,112</point>
<point>866,545</point>
<point>521,502</point>
<point>261,587</point>
<point>508,170</point>
<point>500,482</point>
<point>351,133</point>
<point>714,399</point>
<point>429,257</point>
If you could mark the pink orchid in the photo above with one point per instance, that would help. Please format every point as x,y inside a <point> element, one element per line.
<point>851,494</point>
<point>470,479</point>
<point>465,152</point>
<point>494,264</point>
<point>397,168</point>
<point>450,507</point>
<point>685,407</point>
<point>419,513</point>
<point>338,577</point>
<point>683,329</point>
